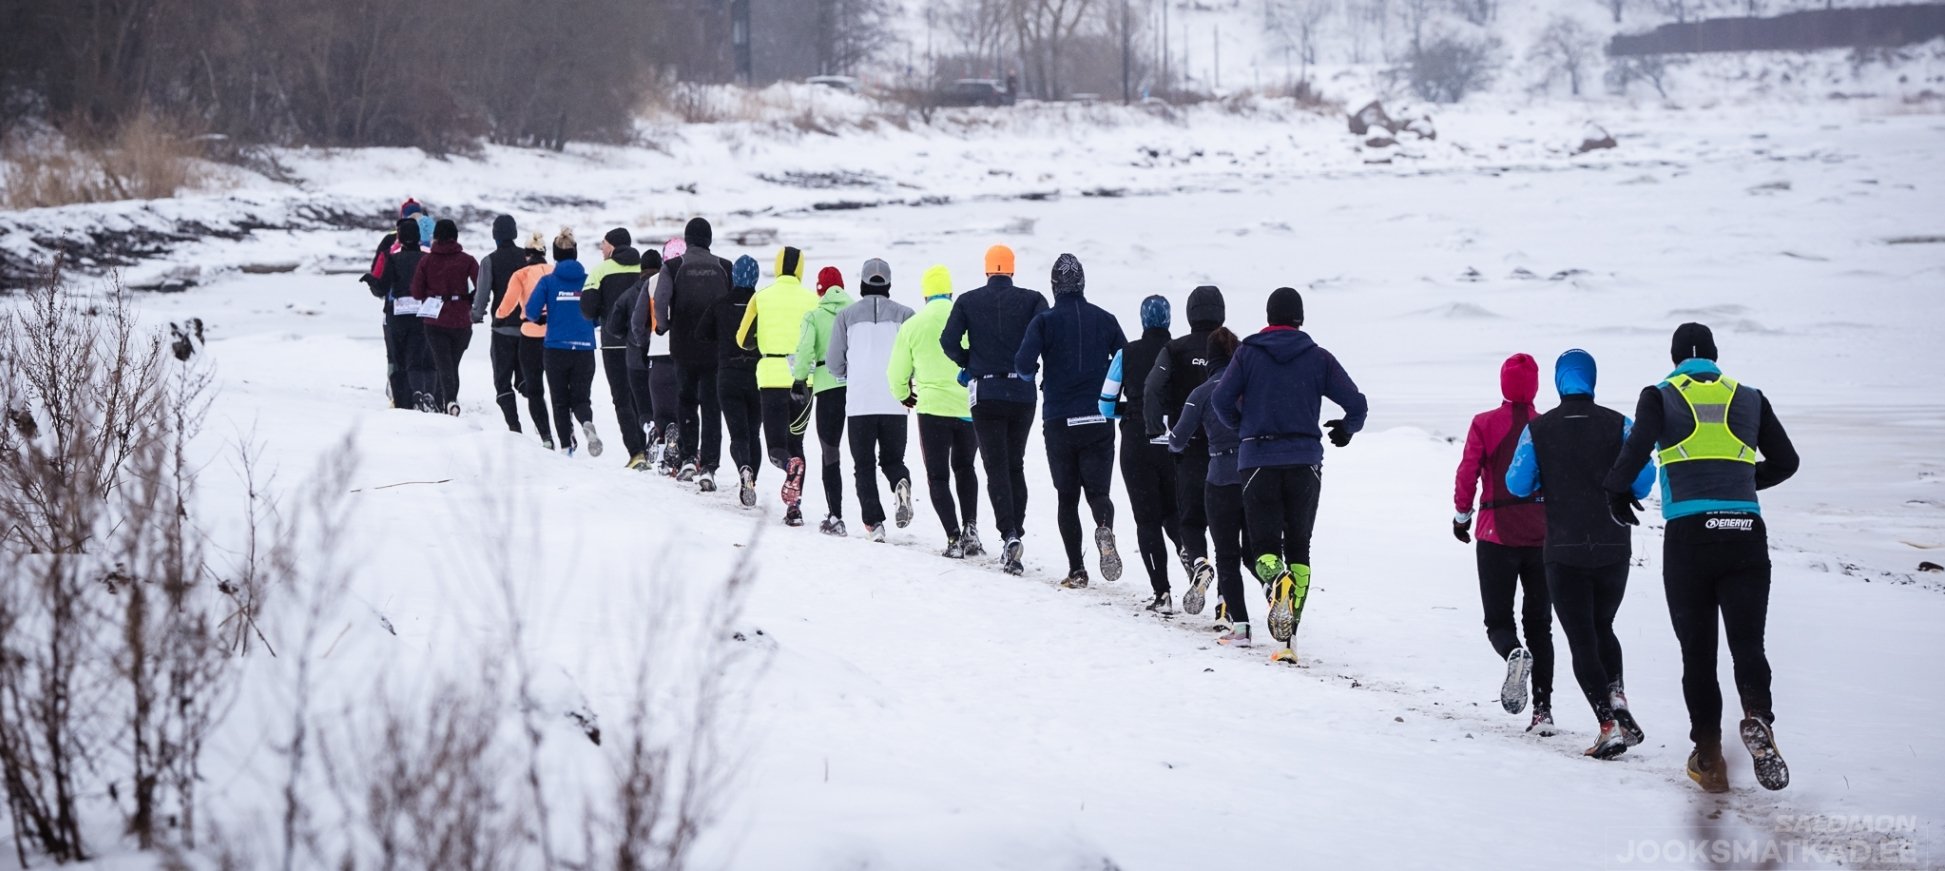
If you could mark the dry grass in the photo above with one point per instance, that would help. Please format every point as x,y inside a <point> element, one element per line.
<point>146,159</point>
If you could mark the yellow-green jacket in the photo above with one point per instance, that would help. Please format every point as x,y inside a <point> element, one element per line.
<point>775,319</point>
<point>918,364</point>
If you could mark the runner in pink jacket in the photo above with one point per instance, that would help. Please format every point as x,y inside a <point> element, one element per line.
<point>1512,535</point>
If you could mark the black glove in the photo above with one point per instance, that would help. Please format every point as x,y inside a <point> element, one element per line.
<point>1621,507</point>
<point>910,400</point>
<point>1338,435</point>
<point>542,320</point>
<point>800,392</point>
<point>1462,527</point>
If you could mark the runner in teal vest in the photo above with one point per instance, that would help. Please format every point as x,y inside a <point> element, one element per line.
<point>1719,443</point>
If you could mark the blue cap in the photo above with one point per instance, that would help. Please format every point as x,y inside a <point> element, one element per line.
<point>744,273</point>
<point>1155,314</point>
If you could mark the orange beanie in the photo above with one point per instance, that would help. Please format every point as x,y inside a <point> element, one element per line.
<point>999,260</point>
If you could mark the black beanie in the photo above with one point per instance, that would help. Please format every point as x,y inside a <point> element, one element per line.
<point>619,237</point>
<point>504,230</point>
<point>1692,340</point>
<point>445,231</point>
<point>698,233</point>
<point>651,261</point>
<point>408,232</point>
<point>1285,308</point>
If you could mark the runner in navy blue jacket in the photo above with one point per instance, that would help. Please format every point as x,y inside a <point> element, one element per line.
<point>1077,339</point>
<point>1273,394</point>
<point>991,321</point>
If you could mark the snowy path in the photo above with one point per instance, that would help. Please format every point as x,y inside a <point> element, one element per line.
<point>921,713</point>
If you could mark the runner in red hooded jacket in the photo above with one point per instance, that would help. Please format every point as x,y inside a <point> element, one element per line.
<point>1512,535</point>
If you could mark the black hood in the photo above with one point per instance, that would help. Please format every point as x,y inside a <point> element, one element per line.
<point>504,231</point>
<point>408,233</point>
<point>1692,340</point>
<point>626,255</point>
<point>1206,310</point>
<point>698,234</point>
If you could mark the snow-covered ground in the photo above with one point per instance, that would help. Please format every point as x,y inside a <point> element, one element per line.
<point>915,712</point>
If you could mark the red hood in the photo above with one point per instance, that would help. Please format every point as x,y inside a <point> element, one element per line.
<point>1519,379</point>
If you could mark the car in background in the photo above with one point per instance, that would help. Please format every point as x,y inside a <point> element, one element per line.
<point>846,84</point>
<point>976,92</point>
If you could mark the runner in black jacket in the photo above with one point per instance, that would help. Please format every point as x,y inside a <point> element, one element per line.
<point>990,322</point>
<point>1178,370</point>
<point>1147,467</point>
<point>684,294</point>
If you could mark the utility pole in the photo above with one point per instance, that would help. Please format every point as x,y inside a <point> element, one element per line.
<point>1215,36</point>
<point>1165,44</point>
<point>1127,49</point>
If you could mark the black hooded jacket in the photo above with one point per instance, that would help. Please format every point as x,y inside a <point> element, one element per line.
<point>1183,365</point>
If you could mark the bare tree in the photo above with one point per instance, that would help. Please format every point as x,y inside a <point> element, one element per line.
<point>1615,8</point>
<point>1479,12</point>
<point>1042,28</point>
<point>1297,25</point>
<point>1564,49</point>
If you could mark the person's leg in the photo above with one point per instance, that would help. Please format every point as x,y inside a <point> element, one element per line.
<point>1536,621</point>
<point>1139,474</point>
<point>1610,587</point>
<point>1302,486</point>
<point>709,420</point>
<point>1019,426</point>
<point>965,472</point>
<point>830,438</point>
<point>935,440</point>
<point>777,409</point>
<point>1263,510</point>
<point>891,448</point>
<point>1744,594</point>
<point>1689,583</point>
<point>800,417</point>
<point>424,374</point>
<point>560,388</point>
<point>503,351</point>
<point>614,365</point>
<point>1096,460</point>
<point>638,389</point>
<point>533,370</point>
<point>445,366</point>
<point>665,390</point>
<point>582,400</point>
<point>392,368</point>
<point>863,437</point>
<point>688,401</point>
<point>1063,462</point>
<point>1191,521</point>
<point>1574,592</point>
<point>1223,506</point>
<point>732,392</point>
<point>1499,567</point>
<point>991,426</point>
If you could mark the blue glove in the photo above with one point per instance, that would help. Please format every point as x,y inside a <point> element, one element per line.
<point>965,378</point>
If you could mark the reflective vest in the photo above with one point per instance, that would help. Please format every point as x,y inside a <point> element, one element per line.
<point>1708,404</point>
<point>1707,459</point>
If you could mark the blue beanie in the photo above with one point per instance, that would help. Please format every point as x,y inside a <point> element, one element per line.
<point>1155,314</point>
<point>744,273</point>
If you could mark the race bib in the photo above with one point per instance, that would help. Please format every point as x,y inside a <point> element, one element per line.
<point>405,305</point>
<point>432,306</point>
<point>1084,421</point>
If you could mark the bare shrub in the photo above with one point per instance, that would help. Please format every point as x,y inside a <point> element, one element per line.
<point>111,673</point>
<point>1445,68</point>
<point>145,158</point>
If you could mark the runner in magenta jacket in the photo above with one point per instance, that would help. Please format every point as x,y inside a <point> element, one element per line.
<point>1511,554</point>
